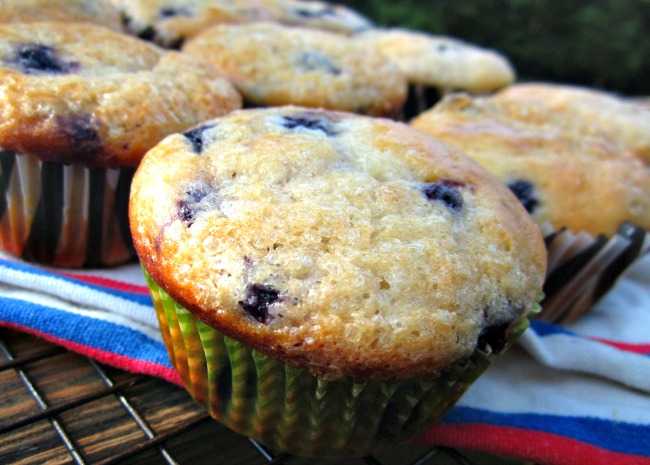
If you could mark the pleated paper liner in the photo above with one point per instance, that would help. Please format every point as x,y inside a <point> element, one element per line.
<point>64,215</point>
<point>420,99</point>
<point>289,409</point>
<point>582,268</point>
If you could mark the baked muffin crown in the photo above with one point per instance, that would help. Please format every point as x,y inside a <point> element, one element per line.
<point>81,93</point>
<point>349,245</point>
<point>318,15</point>
<point>561,176</point>
<point>442,62</point>
<point>275,65</point>
<point>100,12</point>
<point>582,111</point>
<point>172,22</point>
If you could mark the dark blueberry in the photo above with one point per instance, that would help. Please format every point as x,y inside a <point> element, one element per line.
<point>195,137</point>
<point>81,134</point>
<point>446,191</point>
<point>495,337</point>
<point>170,12</point>
<point>148,33</point>
<point>308,13</point>
<point>315,61</point>
<point>189,206</point>
<point>257,300</point>
<point>38,58</point>
<point>310,121</point>
<point>125,19</point>
<point>525,192</point>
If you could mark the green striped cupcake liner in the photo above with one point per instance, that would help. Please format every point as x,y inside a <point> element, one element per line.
<point>64,215</point>
<point>287,408</point>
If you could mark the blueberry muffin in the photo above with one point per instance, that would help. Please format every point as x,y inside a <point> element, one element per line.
<point>274,65</point>
<point>171,22</point>
<point>325,280</point>
<point>80,106</point>
<point>318,15</point>
<point>567,178</point>
<point>582,111</point>
<point>435,65</point>
<point>89,11</point>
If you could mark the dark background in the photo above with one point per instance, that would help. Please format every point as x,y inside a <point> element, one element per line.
<point>601,43</point>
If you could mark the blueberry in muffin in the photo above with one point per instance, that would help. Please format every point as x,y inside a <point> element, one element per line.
<point>274,65</point>
<point>81,104</point>
<point>325,281</point>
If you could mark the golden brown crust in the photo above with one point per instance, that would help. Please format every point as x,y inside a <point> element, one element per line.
<point>582,111</point>
<point>442,62</point>
<point>274,65</point>
<point>100,12</point>
<point>577,181</point>
<point>64,98</point>
<point>318,15</point>
<point>327,217</point>
<point>172,22</point>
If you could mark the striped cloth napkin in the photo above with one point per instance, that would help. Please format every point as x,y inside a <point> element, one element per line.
<point>570,395</point>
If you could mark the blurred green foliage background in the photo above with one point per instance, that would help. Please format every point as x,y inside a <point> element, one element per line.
<point>602,43</point>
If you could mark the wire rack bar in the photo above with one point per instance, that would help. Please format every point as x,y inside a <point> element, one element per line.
<point>135,415</point>
<point>56,410</point>
<point>153,440</point>
<point>20,361</point>
<point>60,431</point>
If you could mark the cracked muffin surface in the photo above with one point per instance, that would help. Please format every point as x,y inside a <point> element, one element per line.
<point>442,62</point>
<point>581,111</point>
<point>273,65</point>
<point>80,93</point>
<point>345,244</point>
<point>100,12</point>
<point>171,22</point>
<point>563,176</point>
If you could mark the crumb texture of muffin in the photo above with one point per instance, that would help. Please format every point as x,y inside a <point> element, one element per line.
<point>348,245</point>
<point>63,98</point>
<point>581,111</point>
<point>171,22</point>
<point>318,15</point>
<point>565,177</point>
<point>101,12</point>
<point>442,62</point>
<point>275,65</point>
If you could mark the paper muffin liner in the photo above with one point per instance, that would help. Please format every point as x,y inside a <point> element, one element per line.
<point>288,408</point>
<point>420,99</point>
<point>64,215</point>
<point>583,267</point>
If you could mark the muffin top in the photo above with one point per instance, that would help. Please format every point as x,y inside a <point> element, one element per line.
<point>346,244</point>
<point>569,179</point>
<point>274,65</point>
<point>582,111</point>
<point>171,22</point>
<point>442,62</point>
<point>318,15</point>
<point>91,11</point>
<point>79,93</point>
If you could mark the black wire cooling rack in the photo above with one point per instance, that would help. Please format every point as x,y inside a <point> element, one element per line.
<point>59,407</point>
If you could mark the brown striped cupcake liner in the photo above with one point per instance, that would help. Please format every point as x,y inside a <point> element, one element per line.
<point>582,268</point>
<point>420,98</point>
<point>64,215</point>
